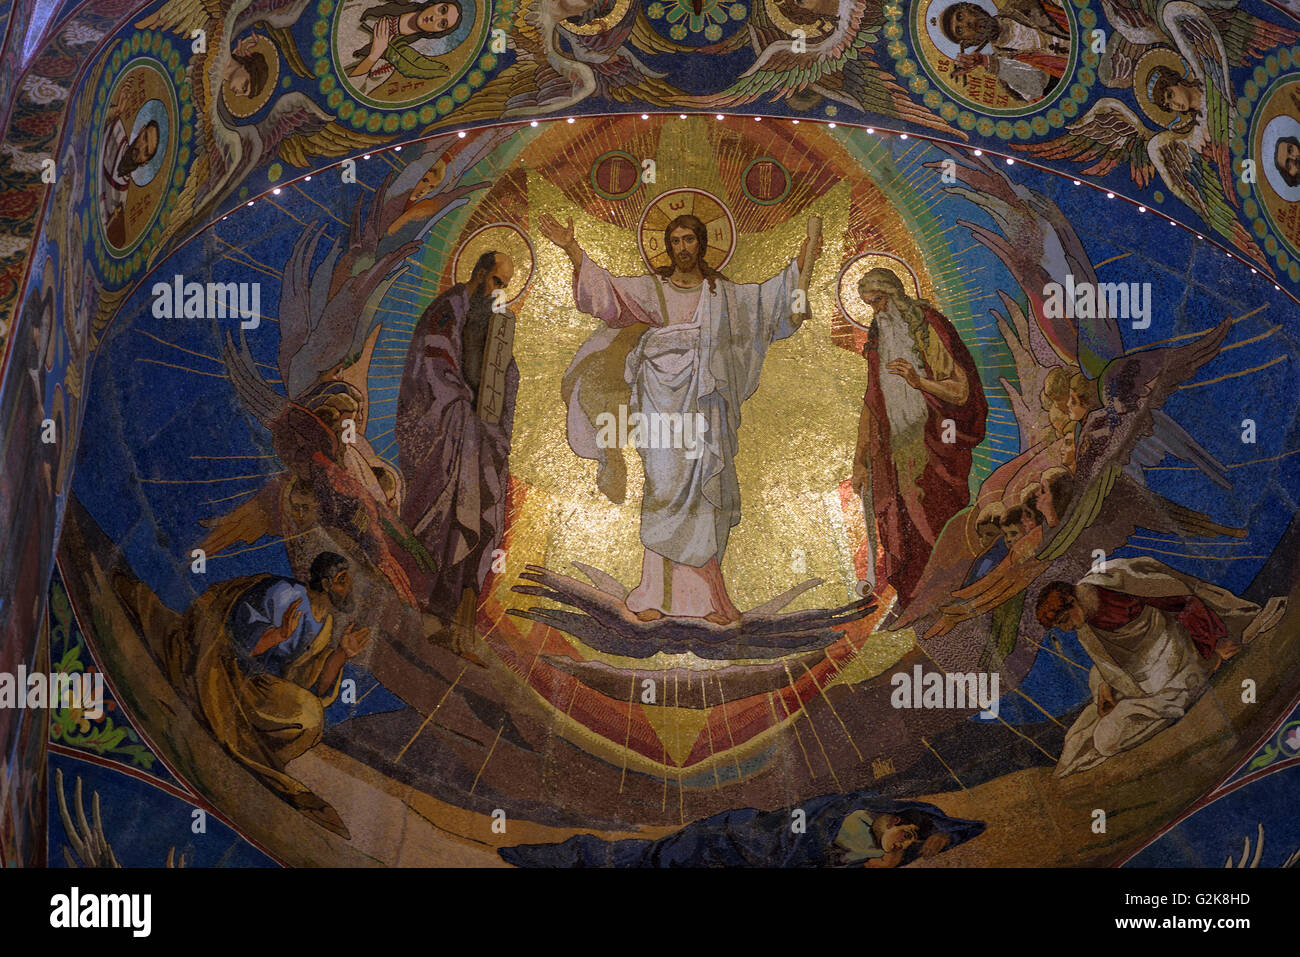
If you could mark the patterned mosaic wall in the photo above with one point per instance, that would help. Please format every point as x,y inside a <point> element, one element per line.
<point>347,163</point>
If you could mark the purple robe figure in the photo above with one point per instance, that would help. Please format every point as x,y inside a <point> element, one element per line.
<point>455,413</point>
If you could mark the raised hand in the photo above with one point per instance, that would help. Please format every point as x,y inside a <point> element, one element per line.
<point>278,634</point>
<point>550,227</point>
<point>354,640</point>
<point>383,33</point>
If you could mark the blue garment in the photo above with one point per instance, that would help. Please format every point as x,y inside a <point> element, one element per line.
<point>749,838</point>
<point>262,605</point>
<point>990,560</point>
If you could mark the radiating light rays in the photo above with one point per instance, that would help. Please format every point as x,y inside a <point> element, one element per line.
<point>429,717</point>
<point>328,212</point>
<point>931,749</point>
<point>488,758</point>
<point>248,261</point>
<point>202,355</point>
<point>1066,658</point>
<point>1233,375</point>
<point>1193,335</point>
<point>172,365</point>
<point>274,540</point>
<point>1235,465</point>
<point>998,717</point>
<point>210,481</point>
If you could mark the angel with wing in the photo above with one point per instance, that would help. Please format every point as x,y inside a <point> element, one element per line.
<point>1125,432</point>
<point>833,60</point>
<point>1189,92</point>
<point>570,50</point>
<point>1139,28</point>
<point>226,151</point>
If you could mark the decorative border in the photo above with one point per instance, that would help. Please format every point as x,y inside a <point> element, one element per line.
<point>1278,68</point>
<point>118,269</point>
<point>374,116</point>
<point>986,123</point>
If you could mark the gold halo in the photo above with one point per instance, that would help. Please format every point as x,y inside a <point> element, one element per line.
<point>666,207</point>
<point>1142,73</point>
<point>242,106</point>
<point>502,237</point>
<point>599,24</point>
<point>846,292</point>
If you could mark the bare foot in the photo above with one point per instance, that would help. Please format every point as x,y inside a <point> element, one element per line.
<point>650,614</point>
<point>720,619</point>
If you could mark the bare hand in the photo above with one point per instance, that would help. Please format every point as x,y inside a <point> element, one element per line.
<point>968,63</point>
<point>354,640</point>
<point>279,634</point>
<point>383,33</point>
<point>562,236</point>
<point>934,844</point>
<point>901,367</point>
<point>1105,699</point>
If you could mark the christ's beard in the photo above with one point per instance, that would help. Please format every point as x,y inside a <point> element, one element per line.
<point>686,262</point>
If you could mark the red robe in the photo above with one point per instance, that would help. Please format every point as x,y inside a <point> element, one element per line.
<point>907,539</point>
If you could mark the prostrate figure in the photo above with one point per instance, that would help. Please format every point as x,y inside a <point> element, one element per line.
<point>696,347</point>
<point>455,414</point>
<point>1155,636</point>
<point>923,413</point>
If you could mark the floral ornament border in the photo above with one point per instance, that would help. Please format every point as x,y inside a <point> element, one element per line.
<point>373,118</point>
<point>1284,744</point>
<point>119,270</point>
<point>71,726</point>
<point>682,20</point>
<point>921,82</point>
<point>1264,79</point>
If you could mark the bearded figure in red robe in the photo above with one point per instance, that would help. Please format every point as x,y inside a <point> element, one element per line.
<point>923,413</point>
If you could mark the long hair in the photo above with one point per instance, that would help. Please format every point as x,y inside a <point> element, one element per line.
<point>696,226</point>
<point>398,8</point>
<point>258,72</point>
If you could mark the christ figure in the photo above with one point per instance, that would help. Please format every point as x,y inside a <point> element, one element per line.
<point>694,343</point>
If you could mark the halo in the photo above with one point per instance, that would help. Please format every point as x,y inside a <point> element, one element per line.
<point>242,106</point>
<point>1162,56</point>
<point>846,286</point>
<point>933,15</point>
<point>688,200</point>
<point>502,237</point>
<point>1278,127</point>
<point>597,25</point>
<point>157,111</point>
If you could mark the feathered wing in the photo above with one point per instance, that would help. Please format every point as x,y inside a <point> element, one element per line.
<point>1138,24</point>
<point>1196,164</point>
<point>1108,135</point>
<point>1104,453</point>
<point>1039,247</point>
<point>840,66</point>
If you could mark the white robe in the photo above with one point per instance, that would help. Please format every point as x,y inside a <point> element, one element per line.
<point>1150,664</point>
<point>707,365</point>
